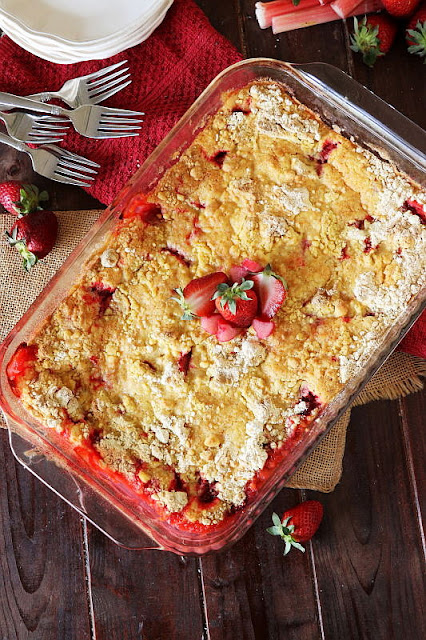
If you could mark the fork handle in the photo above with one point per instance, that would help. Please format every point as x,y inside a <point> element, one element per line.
<point>45,96</point>
<point>19,146</point>
<point>11,101</point>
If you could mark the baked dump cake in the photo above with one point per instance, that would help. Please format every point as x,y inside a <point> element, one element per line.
<point>228,307</point>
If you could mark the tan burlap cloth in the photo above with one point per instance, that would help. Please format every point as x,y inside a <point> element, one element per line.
<point>400,375</point>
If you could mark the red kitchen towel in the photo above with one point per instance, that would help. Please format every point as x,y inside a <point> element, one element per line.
<point>169,71</point>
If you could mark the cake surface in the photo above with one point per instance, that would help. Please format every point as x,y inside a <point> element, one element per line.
<point>187,420</point>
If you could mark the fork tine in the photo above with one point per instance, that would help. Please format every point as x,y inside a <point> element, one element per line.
<point>47,119</point>
<point>64,162</point>
<point>112,120</point>
<point>107,94</point>
<point>72,174</point>
<point>109,85</point>
<point>103,135</point>
<point>98,84</point>
<point>102,72</point>
<point>110,111</point>
<point>49,127</point>
<point>118,128</point>
<point>44,140</point>
<point>60,178</point>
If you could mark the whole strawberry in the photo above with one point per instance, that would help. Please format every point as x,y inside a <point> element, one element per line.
<point>400,8</point>
<point>298,524</point>
<point>415,33</point>
<point>34,236</point>
<point>373,37</point>
<point>19,199</point>
<point>237,303</point>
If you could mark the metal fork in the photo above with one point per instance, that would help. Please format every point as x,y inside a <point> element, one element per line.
<point>57,164</point>
<point>35,129</point>
<point>89,120</point>
<point>91,89</point>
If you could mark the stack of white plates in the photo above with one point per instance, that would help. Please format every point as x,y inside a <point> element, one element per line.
<point>66,31</point>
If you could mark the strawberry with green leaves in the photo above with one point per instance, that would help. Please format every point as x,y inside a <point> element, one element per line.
<point>19,199</point>
<point>298,524</point>
<point>373,36</point>
<point>196,298</point>
<point>237,303</point>
<point>34,236</point>
<point>415,34</point>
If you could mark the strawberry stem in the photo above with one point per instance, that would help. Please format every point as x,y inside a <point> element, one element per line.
<point>285,531</point>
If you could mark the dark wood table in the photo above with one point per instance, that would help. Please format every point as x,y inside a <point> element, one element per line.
<point>363,574</point>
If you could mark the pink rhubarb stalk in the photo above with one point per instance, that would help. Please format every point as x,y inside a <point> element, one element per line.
<point>318,15</point>
<point>266,11</point>
<point>346,8</point>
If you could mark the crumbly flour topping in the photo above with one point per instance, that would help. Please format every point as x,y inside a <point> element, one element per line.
<point>266,179</point>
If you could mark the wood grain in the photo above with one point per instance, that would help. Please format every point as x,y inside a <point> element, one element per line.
<point>370,564</point>
<point>43,591</point>
<point>143,595</point>
<point>254,589</point>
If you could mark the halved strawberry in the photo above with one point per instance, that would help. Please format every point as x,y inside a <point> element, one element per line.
<point>263,328</point>
<point>196,298</point>
<point>237,303</point>
<point>271,291</point>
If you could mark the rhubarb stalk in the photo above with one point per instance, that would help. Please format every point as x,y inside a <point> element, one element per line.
<point>318,15</point>
<point>266,11</point>
<point>346,8</point>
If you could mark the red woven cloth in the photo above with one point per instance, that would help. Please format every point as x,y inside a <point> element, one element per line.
<point>169,71</point>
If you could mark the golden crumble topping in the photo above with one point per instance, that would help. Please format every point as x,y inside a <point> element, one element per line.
<point>189,420</point>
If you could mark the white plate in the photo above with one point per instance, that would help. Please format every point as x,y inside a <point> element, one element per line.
<point>82,21</point>
<point>62,52</point>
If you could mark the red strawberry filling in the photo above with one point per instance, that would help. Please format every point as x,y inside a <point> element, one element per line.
<point>149,212</point>
<point>178,255</point>
<point>184,362</point>
<point>344,255</point>
<point>416,208</point>
<point>206,491</point>
<point>195,231</point>
<point>218,158</point>
<point>20,365</point>
<point>100,293</point>
<point>324,155</point>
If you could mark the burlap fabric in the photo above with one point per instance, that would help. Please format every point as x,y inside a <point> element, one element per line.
<point>400,375</point>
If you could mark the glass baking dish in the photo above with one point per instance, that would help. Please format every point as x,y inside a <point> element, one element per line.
<point>115,509</point>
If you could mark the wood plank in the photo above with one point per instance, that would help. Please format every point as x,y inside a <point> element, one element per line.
<point>369,559</point>
<point>252,592</point>
<point>43,593</point>
<point>143,595</point>
<point>413,412</point>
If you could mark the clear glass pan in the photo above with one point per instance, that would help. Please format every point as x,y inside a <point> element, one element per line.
<point>340,101</point>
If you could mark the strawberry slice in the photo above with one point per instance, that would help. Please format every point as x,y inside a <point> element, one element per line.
<point>263,328</point>
<point>271,290</point>
<point>238,272</point>
<point>227,331</point>
<point>196,298</point>
<point>211,323</point>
